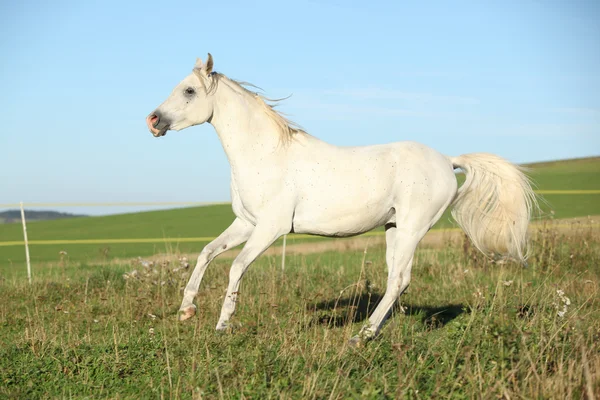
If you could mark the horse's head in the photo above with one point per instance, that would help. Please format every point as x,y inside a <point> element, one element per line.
<point>189,104</point>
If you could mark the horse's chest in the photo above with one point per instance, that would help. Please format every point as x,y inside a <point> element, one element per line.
<point>250,194</point>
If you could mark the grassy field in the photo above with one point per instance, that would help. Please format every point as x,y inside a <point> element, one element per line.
<point>468,328</point>
<point>185,222</point>
<point>210,221</point>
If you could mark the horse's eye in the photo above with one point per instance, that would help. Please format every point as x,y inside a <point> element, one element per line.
<point>190,91</point>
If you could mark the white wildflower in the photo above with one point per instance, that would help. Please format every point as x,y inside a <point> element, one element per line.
<point>562,303</point>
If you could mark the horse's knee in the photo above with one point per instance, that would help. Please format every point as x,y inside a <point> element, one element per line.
<point>405,277</point>
<point>205,254</point>
<point>404,282</point>
<point>398,285</point>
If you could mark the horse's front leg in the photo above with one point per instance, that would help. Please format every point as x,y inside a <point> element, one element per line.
<point>265,233</point>
<point>237,233</point>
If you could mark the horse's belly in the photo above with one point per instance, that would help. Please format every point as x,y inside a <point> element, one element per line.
<point>345,198</point>
<point>341,220</point>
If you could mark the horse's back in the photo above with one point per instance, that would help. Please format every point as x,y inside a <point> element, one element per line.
<point>348,190</point>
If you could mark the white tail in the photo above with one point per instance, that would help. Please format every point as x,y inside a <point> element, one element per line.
<point>494,205</point>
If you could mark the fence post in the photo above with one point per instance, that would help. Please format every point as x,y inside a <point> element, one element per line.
<point>26,243</point>
<point>283,254</point>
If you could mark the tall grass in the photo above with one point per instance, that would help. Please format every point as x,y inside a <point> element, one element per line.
<point>467,328</point>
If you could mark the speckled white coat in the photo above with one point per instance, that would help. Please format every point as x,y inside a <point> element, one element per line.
<point>282,184</point>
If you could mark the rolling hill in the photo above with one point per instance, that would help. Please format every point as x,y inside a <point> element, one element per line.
<point>11,216</point>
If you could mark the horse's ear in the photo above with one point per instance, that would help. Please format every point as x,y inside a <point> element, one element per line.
<point>209,64</point>
<point>202,67</point>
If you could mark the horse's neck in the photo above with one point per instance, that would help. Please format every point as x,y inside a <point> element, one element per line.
<point>245,131</point>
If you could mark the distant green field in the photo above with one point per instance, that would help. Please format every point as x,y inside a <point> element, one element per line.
<point>209,221</point>
<point>185,222</point>
<point>582,174</point>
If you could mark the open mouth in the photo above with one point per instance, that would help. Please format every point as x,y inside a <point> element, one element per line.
<point>160,133</point>
<point>153,122</point>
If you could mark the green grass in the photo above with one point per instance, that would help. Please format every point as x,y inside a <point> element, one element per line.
<point>471,329</point>
<point>212,220</point>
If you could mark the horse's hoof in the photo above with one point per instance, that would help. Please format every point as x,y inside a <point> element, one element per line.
<point>222,326</point>
<point>187,313</point>
<point>227,327</point>
<point>365,335</point>
<point>356,342</point>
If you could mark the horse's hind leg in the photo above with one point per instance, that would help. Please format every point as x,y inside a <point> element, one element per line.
<point>402,242</point>
<point>390,235</point>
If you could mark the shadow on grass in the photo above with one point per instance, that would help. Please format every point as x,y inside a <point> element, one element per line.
<point>348,310</point>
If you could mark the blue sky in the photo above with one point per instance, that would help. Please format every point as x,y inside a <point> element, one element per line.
<point>517,78</point>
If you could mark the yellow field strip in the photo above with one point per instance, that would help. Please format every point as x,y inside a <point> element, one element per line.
<point>198,203</point>
<point>567,191</point>
<point>208,239</point>
<point>141,240</point>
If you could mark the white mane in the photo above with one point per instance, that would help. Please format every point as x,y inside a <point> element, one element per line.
<point>286,128</point>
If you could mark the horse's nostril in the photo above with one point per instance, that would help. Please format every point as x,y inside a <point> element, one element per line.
<point>154,119</point>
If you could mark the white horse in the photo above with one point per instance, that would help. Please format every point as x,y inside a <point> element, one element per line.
<point>284,180</point>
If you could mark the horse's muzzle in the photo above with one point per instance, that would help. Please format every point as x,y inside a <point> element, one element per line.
<point>157,125</point>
